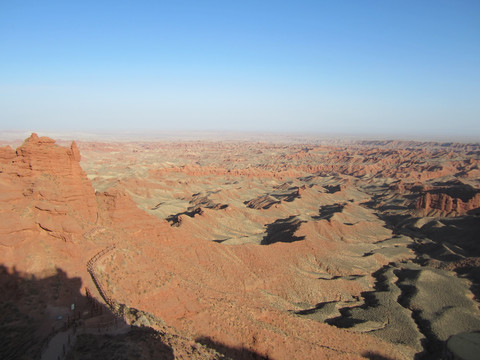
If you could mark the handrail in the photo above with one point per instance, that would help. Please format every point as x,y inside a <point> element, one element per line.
<point>91,270</point>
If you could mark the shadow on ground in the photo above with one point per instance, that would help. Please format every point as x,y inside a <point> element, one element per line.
<point>138,343</point>
<point>230,352</point>
<point>374,356</point>
<point>282,230</point>
<point>34,309</point>
<point>327,211</point>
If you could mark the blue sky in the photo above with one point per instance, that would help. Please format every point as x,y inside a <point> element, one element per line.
<point>362,67</point>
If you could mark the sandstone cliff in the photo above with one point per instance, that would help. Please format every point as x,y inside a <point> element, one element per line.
<point>44,191</point>
<point>453,198</point>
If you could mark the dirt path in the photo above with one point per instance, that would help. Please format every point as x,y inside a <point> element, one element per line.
<point>59,345</point>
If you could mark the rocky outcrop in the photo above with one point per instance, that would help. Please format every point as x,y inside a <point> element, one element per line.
<point>262,202</point>
<point>44,191</point>
<point>451,198</point>
<point>198,203</point>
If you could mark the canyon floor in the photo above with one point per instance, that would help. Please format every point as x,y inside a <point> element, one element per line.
<point>268,249</point>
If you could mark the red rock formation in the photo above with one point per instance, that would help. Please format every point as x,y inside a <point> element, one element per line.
<point>446,203</point>
<point>44,191</point>
<point>454,199</point>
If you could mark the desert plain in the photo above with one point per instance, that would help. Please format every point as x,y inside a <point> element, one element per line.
<point>270,248</point>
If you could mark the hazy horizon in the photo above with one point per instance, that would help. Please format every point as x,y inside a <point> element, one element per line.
<point>367,69</point>
<point>18,136</point>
